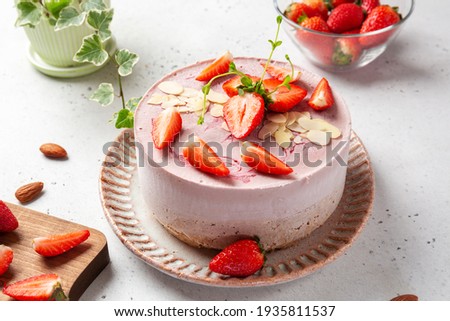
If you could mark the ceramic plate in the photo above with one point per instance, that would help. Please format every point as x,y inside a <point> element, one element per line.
<point>134,224</point>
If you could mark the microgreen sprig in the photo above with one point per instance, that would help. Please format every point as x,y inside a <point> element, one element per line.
<point>247,84</point>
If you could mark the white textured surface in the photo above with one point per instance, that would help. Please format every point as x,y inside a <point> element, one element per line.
<point>399,105</point>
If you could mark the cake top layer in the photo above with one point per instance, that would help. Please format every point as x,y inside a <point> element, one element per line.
<point>303,156</point>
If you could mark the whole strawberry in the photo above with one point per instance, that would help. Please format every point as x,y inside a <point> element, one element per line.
<point>314,23</point>
<point>240,259</point>
<point>346,17</point>
<point>296,10</point>
<point>335,3</point>
<point>319,7</point>
<point>369,5</point>
<point>379,18</point>
<point>321,46</point>
<point>8,222</point>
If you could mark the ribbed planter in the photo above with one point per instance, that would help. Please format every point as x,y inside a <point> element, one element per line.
<point>52,51</point>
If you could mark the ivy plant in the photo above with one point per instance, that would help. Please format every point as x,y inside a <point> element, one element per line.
<point>63,14</point>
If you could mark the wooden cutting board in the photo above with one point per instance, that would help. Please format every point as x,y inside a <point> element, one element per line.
<point>77,268</point>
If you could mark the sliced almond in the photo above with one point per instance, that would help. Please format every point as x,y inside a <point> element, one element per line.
<point>296,127</point>
<point>190,92</point>
<point>268,130</point>
<point>216,97</point>
<point>196,104</point>
<point>291,117</point>
<point>155,99</point>
<point>225,126</point>
<point>311,124</point>
<point>184,109</point>
<point>171,87</point>
<point>335,132</point>
<point>318,137</point>
<point>216,110</point>
<point>297,140</point>
<point>277,118</point>
<point>283,137</point>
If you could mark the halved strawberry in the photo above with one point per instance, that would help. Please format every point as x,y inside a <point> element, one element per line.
<point>322,96</point>
<point>201,156</point>
<point>284,99</point>
<point>230,86</point>
<point>8,222</point>
<point>243,114</point>
<point>45,287</point>
<point>280,73</point>
<point>165,127</point>
<point>57,244</point>
<point>6,257</point>
<point>240,259</point>
<point>263,161</point>
<point>217,67</point>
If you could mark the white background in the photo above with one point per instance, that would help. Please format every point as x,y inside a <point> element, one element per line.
<point>400,106</point>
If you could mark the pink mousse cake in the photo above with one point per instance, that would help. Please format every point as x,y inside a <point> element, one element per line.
<point>204,210</point>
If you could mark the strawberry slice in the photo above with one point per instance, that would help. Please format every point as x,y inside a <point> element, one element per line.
<point>6,257</point>
<point>8,222</point>
<point>57,244</point>
<point>240,259</point>
<point>219,66</point>
<point>322,96</point>
<point>45,287</point>
<point>230,86</point>
<point>261,160</point>
<point>201,156</point>
<point>280,73</point>
<point>243,114</point>
<point>284,99</point>
<point>165,127</point>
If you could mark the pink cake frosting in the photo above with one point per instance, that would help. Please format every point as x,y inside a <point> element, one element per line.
<point>208,211</point>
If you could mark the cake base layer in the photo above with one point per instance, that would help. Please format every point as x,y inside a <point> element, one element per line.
<point>273,234</point>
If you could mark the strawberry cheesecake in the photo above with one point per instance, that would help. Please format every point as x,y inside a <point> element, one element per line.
<point>241,162</point>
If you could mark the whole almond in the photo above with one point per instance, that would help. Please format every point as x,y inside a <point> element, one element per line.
<point>406,297</point>
<point>29,192</point>
<point>53,151</point>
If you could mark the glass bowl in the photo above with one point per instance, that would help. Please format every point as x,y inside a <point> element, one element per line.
<point>341,52</point>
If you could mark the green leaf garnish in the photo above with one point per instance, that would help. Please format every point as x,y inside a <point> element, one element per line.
<point>100,20</point>
<point>92,51</point>
<point>104,95</point>
<point>125,61</point>
<point>29,14</point>
<point>125,119</point>
<point>69,17</point>
<point>132,103</point>
<point>246,81</point>
<point>93,5</point>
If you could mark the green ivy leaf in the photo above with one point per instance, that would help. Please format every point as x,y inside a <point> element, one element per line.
<point>126,61</point>
<point>29,14</point>
<point>132,103</point>
<point>125,119</point>
<point>100,20</point>
<point>104,94</point>
<point>88,5</point>
<point>92,51</point>
<point>69,17</point>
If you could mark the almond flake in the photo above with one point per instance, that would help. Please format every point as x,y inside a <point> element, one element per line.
<point>318,137</point>
<point>291,117</point>
<point>196,104</point>
<point>184,109</point>
<point>277,118</point>
<point>297,140</point>
<point>216,97</point>
<point>268,130</point>
<point>171,87</point>
<point>225,126</point>
<point>335,132</point>
<point>311,124</point>
<point>296,127</point>
<point>155,99</point>
<point>216,110</point>
<point>283,137</point>
<point>190,92</point>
